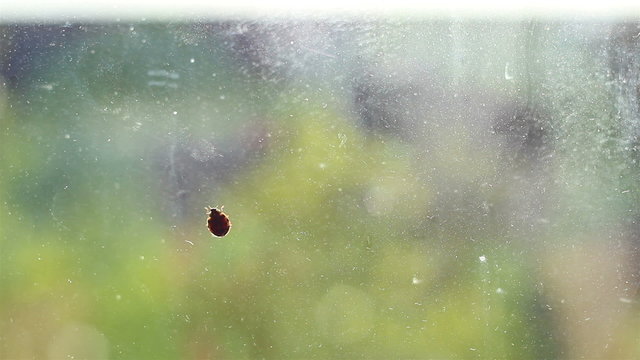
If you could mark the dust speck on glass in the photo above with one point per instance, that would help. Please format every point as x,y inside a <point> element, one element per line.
<point>426,188</point>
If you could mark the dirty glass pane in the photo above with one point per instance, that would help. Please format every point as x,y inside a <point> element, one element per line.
<point>435,187</point>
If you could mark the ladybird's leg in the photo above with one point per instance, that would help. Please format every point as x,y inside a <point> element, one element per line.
<point>208,209</point>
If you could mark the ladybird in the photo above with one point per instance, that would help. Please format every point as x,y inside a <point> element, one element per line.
<point>218,222</point>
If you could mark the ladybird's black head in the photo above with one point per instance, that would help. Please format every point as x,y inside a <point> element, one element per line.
<point>212,211</point>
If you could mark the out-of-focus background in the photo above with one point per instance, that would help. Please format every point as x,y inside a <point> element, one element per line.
<point>419,188</point>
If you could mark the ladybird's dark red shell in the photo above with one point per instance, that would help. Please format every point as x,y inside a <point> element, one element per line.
<point>218,222</point>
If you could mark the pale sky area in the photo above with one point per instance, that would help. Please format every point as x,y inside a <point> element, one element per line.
<point>30,10</point>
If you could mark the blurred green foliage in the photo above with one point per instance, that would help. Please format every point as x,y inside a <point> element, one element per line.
<point>345,244</point>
